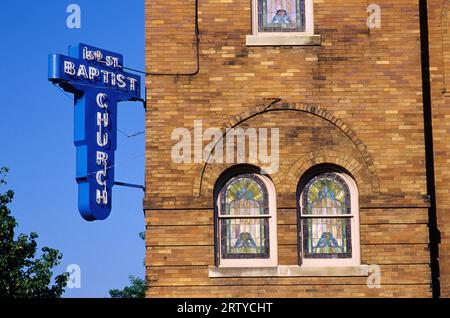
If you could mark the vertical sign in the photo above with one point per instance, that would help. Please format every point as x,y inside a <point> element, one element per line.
<point>98,82</point>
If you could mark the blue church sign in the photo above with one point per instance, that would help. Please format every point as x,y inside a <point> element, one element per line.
<point>98,82</point>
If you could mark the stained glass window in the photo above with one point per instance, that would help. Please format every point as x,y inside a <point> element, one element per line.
<point>326,218</point>
<point>281,15</point>
<point>244,218</point>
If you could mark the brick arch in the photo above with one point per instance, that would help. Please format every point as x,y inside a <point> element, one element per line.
<point>356,169</point>
<point>213,172</point>
<point>207,175</point>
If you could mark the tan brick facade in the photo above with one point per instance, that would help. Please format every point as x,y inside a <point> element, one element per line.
<point>354,101</point>
<point>439,27</point>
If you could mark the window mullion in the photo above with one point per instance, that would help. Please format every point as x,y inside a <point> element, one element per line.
<point>262,216</point>
<point>338,216</point>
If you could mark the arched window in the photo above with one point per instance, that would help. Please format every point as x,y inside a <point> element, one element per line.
<point>246,222</point>
<point>329,220</point>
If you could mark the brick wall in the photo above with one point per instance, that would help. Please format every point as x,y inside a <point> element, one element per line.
<point>354,101</point>
<point>439,27</point>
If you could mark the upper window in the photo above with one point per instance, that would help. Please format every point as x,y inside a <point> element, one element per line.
<point>247,222</point>
<point>282,22</point>
<point>281,15</point>
<point>329,227</point>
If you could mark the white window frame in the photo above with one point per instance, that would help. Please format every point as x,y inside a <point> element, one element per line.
<point>355,260</point>
<point>272,261</point>
<point>309,19</point>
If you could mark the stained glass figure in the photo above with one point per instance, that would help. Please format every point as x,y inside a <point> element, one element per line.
<point>325,234</point>
<point>243,233</point>
<point>281,15</point>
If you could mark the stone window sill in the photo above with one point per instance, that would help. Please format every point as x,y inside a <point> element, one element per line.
<point>282,40</point>
<point>289,271</point>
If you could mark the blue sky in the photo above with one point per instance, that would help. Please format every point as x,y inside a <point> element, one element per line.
<point>36,138</point>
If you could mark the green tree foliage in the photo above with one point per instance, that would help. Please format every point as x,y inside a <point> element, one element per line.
<point>22,274</point>
<point>135,290</point>
<point>137,285</point>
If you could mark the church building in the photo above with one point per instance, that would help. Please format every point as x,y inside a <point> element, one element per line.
<point>297,148</point>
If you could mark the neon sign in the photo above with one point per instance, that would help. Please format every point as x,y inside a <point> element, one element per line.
<point>98,82</point>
